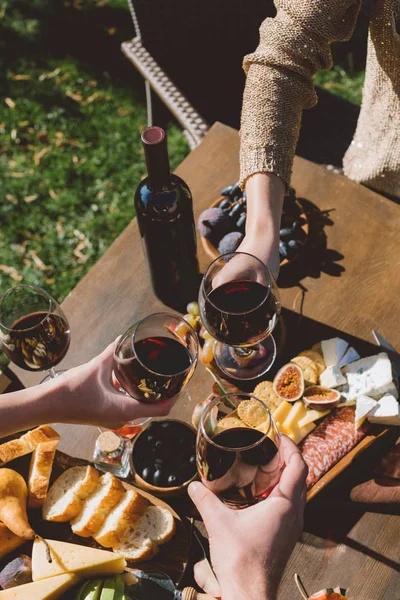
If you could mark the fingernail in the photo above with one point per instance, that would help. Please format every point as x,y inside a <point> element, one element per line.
<point>194,487</point>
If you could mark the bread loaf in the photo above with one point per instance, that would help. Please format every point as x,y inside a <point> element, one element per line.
<point>123,516</point>
<point>66,496</point>
<point>40,473</point>
<point>26,443</point>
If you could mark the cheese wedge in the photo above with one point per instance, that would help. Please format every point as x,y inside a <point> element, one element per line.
<point>386,412</point>
<point>364,406</point>
<point>299,433</point>
<point>333,351</point>
<point>297,413</point>
<point>312,416</point>
<point>350,356</point>
<point>370,376</point>
<point>282,411</point>
<point>332,377</point>
<point>49,589</point>
<point>71,558</point>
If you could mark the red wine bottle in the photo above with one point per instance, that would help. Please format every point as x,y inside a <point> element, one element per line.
<point>164,210</point>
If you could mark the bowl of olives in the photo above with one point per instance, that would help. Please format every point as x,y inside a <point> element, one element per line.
<point>163,458</point>
<point>222,225</point>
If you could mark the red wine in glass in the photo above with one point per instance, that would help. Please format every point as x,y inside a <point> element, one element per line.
<point>240,313</point>
<point>157,372</point>
<point>37,341</point>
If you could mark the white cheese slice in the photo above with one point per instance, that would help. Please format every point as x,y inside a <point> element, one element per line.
<point>333,351</point>
<point>350,356</point>
<point>48,589</point>
<point>364,406</point>
<point>370,376</point>
<point>312,416</point>
<point>332,377</point>
<point>387,411</point>
<point>71,558</point>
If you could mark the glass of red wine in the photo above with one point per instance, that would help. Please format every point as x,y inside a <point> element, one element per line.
<point>155,358</point>
<point>238,449</point>
<point>34,331</point>
<point>239,306</point>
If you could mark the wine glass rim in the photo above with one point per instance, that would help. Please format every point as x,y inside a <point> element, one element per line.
<point>34,287</point>
<point>214,402</point>
<point>232,254</point>
<point>161,314</point>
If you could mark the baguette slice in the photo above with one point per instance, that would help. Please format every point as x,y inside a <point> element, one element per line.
<point>66,496</point>
<point>98,505</point>
<point>125,514</point>
<point>8,541</point>
<point>40,472</point>
<point>26,443</point>
<point>155,527</point>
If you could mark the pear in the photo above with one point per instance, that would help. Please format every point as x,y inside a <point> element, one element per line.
<point>90,590</point>
<point>107,593</point>
<point>13,498</point>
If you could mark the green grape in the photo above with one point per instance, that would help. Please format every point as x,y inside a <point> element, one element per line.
<point>191,320</point>
<point>193,309</point>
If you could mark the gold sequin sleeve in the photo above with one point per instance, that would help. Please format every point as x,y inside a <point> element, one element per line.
<point>294,45</point>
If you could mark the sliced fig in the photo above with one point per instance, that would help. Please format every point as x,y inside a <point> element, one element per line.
<point>320,397</point>
<point>288,383</point>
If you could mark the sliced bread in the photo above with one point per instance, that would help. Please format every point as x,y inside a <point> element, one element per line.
<point>98,505</point>
<point>26,443</point>
<point>155,527</point>
<point>125,514</point>
<point>40,472</point>
<point>66,496</point>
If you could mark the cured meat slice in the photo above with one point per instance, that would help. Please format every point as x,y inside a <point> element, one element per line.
<point>330,441</point>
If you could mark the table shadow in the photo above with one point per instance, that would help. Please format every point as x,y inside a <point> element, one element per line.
<point>315,257</point>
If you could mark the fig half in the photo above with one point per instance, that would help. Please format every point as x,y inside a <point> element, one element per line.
<point>288,383</point>
<point>320,397</point>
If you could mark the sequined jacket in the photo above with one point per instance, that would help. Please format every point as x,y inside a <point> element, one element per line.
<point>293,47</point>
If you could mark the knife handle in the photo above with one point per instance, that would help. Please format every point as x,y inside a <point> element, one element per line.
<point>191,594</point>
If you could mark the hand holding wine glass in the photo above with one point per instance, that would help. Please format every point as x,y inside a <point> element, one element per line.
<point>34,331</point>
<point>250,548</point>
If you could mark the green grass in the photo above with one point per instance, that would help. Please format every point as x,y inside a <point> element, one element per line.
<point>71,113</point>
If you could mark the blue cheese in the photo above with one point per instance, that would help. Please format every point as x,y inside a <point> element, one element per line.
<point>386,412</point>
<point>332,377</point>
<point>364,406</point>
<point>370,376</point>
<point>333,351</point>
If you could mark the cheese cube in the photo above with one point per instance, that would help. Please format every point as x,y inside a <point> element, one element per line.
<point>71,558</point>
<point>312,416</point>
<point>298,412</point>
<point>332,377</point>
<point>364,406</point>
<point>350,356</point>
<point>370,376</point>
<point>387,411</point>
<point>333,351</point>
<point>48,589</point>
<point>282,411</point>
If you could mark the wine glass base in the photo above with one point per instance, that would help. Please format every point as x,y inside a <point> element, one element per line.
<point>57,373</point>
<point>244,367</point>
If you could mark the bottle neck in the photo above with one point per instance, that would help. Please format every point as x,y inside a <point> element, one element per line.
<point>157,162</point>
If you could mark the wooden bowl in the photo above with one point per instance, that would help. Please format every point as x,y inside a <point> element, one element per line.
<point>213,252</point>
<point>161,492</point>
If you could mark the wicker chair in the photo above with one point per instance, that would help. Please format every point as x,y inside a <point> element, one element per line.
<point>199,45</point>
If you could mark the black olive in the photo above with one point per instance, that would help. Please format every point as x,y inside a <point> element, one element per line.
<point>241,222</point>
<point>235,211</point>
<point>159,478</point>
<point>159,463</point>
<point>285,232</point>
<point>172,480</point>
<point>147,474</point>
<point>227,190</point>
<point>283,249</point>
<point>225,204</point>
<point>158,445</point>
<point>192,460</point>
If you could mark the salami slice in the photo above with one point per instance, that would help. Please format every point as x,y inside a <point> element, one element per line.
<point>330,441</point>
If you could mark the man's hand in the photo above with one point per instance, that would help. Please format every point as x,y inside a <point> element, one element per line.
<point>250,547</point>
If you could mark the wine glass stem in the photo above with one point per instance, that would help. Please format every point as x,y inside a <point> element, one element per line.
<point>52,373</point>
<point>244,352</point>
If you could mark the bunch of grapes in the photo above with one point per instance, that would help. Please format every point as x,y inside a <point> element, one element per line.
<point>207,343</point>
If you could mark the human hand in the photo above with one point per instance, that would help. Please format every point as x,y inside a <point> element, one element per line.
<point>250,547</point>
<point>92,399</point>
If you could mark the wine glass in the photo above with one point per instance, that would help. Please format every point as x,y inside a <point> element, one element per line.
<point>34,331</point>
<point>238,449</point>
<point>239,306</point>
<point>155,358</point>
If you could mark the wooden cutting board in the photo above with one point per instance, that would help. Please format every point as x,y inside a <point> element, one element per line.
<point>171,559</point>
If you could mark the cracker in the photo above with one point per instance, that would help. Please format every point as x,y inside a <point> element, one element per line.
<point>229,422</point>
<point>264,391</point>
<point>317,348</point>
<point>252,412</point>
<point>309,367</point>
<point>317,358</point>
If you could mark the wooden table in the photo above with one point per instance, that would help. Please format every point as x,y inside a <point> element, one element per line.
<point>349,282</point>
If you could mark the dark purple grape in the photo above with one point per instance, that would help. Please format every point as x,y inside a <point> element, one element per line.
<point>227,190</point>
<point>225,204</point>
<point>283,249</point>
<point>285,232</point>
<point>241,222</point>
<point>294,244</point>
<point>244,198</point>
<point>235,211</point>
<point>236,191</point>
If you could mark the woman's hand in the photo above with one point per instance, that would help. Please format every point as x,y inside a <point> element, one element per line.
<point>250,547</point>
<point>92,398</point>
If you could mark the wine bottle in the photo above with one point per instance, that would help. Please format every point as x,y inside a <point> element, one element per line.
<point>164,210</point>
